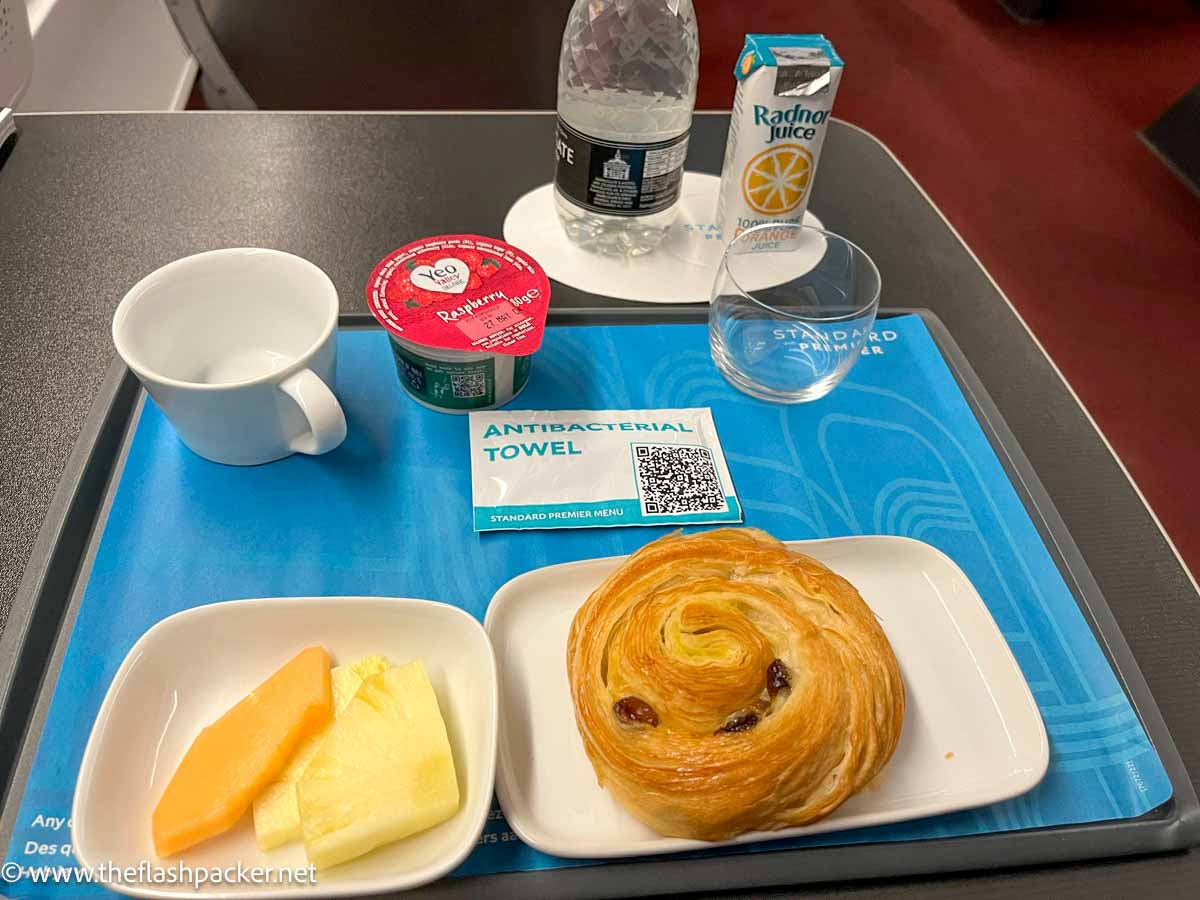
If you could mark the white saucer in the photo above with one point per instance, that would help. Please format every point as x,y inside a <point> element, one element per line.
<point>680,270</point>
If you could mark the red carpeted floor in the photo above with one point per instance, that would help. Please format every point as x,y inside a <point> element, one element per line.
<point>1026,138</point>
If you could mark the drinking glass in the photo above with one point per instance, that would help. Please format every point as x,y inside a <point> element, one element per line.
<point>792,308</point>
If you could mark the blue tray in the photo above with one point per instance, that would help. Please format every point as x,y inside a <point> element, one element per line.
<point>896,449</point>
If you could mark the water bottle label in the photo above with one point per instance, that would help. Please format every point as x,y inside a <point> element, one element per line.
<point>619,178</point>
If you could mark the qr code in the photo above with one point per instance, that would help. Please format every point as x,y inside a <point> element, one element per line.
<point>472,385</point>
<point>673,479</point>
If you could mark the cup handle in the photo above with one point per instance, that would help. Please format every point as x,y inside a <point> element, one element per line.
<point>321,408</point>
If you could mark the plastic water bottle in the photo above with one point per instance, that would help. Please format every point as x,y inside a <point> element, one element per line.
<point>626,88</point>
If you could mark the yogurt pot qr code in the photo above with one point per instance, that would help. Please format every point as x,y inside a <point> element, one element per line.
<point>465,315</point>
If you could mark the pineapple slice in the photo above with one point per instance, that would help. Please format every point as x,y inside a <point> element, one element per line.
<point>276,814</point>
<point>384,772</point>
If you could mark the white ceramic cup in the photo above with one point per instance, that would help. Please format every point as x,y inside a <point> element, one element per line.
<point>238,348</point>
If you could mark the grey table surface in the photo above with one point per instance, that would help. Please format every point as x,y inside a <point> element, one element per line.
<point>90,203</point>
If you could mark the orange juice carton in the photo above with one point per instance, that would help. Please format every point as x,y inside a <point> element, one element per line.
<point>785,89</point>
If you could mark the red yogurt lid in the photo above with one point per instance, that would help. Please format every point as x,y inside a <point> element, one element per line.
<point>462,292</point>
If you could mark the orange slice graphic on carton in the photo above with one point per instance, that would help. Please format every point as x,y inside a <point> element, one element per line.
<point>776,180</point>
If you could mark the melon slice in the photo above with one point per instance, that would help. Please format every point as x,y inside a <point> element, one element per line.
<point>384,770</point>
<point>276,814</point>
<point>234,758</point>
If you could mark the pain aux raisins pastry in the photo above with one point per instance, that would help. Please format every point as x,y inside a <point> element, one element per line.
<point>724,683</point>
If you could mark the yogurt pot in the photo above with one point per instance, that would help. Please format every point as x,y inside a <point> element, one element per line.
<point>465,315</point>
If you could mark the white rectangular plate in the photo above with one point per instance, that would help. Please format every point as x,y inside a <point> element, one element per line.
<point>972,731</point>
<point>187,670</point>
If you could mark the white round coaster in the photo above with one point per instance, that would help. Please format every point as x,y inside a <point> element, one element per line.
<point>680,270</point>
